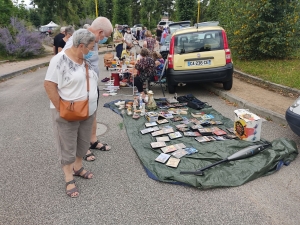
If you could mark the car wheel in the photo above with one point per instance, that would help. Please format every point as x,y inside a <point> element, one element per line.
<point>227,85</point>
<point>171,88</point>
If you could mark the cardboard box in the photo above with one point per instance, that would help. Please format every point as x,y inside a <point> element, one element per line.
<point>247,125</point>
<point>151,116</point>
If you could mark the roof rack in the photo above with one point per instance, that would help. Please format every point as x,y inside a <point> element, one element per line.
<point>208,23</point>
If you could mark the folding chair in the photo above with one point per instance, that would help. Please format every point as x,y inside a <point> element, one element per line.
<point>162,78</point>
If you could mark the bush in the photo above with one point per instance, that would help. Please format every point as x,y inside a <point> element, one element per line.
<point>259,29</point>
<point>19,42</point>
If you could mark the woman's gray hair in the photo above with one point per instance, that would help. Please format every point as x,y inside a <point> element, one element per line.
<point>69,30</point>
<point>83,36</point>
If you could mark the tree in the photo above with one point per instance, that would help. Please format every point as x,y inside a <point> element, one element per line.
<point>165,6</point>
<point>147,12</point>
<point>6,11</point>
<point>186,9</point>
<point>34,17</point>
<point>121,12</point>
<point>102,11</point>
<point>136,7</point>
<point>259,29</point>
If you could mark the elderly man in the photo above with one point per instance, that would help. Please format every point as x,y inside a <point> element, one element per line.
<point>118,41</point>
<point>57,39</point>
<point>102,28</point>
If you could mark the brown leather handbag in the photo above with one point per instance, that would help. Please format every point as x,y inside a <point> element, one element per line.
<point>75,111</point>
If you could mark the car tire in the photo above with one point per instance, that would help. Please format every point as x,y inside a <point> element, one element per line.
<point>227,85</point>
<point>171,88</point>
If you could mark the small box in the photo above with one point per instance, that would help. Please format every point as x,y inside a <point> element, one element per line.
<point>247,125</point>
<point>151,116</point>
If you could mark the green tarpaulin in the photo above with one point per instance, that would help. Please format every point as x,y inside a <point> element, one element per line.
<point>227,174</point>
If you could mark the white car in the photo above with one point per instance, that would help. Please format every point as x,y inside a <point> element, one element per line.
<point>164,24</point>
<point>292,116</point>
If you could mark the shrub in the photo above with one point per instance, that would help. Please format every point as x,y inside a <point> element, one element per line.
<point>259,29</point>
<point>19,42</point>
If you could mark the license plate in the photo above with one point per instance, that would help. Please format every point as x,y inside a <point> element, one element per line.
<point>199,63</point>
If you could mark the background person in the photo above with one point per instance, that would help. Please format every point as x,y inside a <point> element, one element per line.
<point>128,37</point>
<point>57,39</point>
<point>146,68</point>
<point>149,41</point>
<point>158,33</point>
<point>118,41</point>
<point>66,79</point>
<point>68,33</point>
<point>86,26</point>
<point>126,52</point>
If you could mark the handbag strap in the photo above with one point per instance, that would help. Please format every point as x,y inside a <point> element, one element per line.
<point>87,79</point>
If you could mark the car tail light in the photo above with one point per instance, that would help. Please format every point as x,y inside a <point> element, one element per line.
<point>171,54</point>
<point>226,48</point>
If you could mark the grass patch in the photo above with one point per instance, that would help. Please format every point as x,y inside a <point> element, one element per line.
<point>284,72</point>
<point>121,126</point>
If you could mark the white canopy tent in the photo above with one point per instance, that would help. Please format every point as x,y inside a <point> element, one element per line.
<point>48,28</point>
<point>51,24</point>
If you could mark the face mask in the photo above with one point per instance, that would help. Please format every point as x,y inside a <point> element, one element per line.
<point>128,32</point>
<point>87,56</point>
<point>103,40</point>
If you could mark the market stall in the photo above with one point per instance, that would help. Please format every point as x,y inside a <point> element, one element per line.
<point>176,138</point>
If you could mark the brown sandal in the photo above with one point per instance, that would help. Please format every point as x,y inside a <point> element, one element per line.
<point>73,190</point>
<point>85,176</point>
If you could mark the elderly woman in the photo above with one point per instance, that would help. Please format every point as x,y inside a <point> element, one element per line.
<point>66,79</point>
<point>147,69</point>
<point>68,33</point>
<point>149,41</point>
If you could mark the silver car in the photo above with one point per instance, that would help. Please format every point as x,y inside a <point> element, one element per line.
<point>292,116</point>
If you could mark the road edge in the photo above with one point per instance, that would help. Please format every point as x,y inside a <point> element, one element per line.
<point>241,103</point>
<point>28,69</point>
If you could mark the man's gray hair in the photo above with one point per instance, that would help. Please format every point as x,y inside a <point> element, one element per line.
<point>86,26</point>
<point>62,29</point>
<point>69,30</point>
<point>102,23</point>
<point>83,36</point>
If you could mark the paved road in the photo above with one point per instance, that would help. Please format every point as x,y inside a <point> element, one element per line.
<point>32,187</point>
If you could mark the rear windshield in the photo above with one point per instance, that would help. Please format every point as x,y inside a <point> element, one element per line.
<point>198,41</point>
<point>162,23</point>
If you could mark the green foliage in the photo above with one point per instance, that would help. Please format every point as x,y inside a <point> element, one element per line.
<point>186,9</point>
<point>6,10</point>
<point>259,29</point>
<point>136,7</point>
<point>34,17</point>
<point>102,11</point>
<point>147,13</point>
<point>121,12</point>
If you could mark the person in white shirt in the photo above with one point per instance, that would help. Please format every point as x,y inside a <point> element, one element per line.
<point>66,79</point>
<point>128,38</point>
<point>102,28</point>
